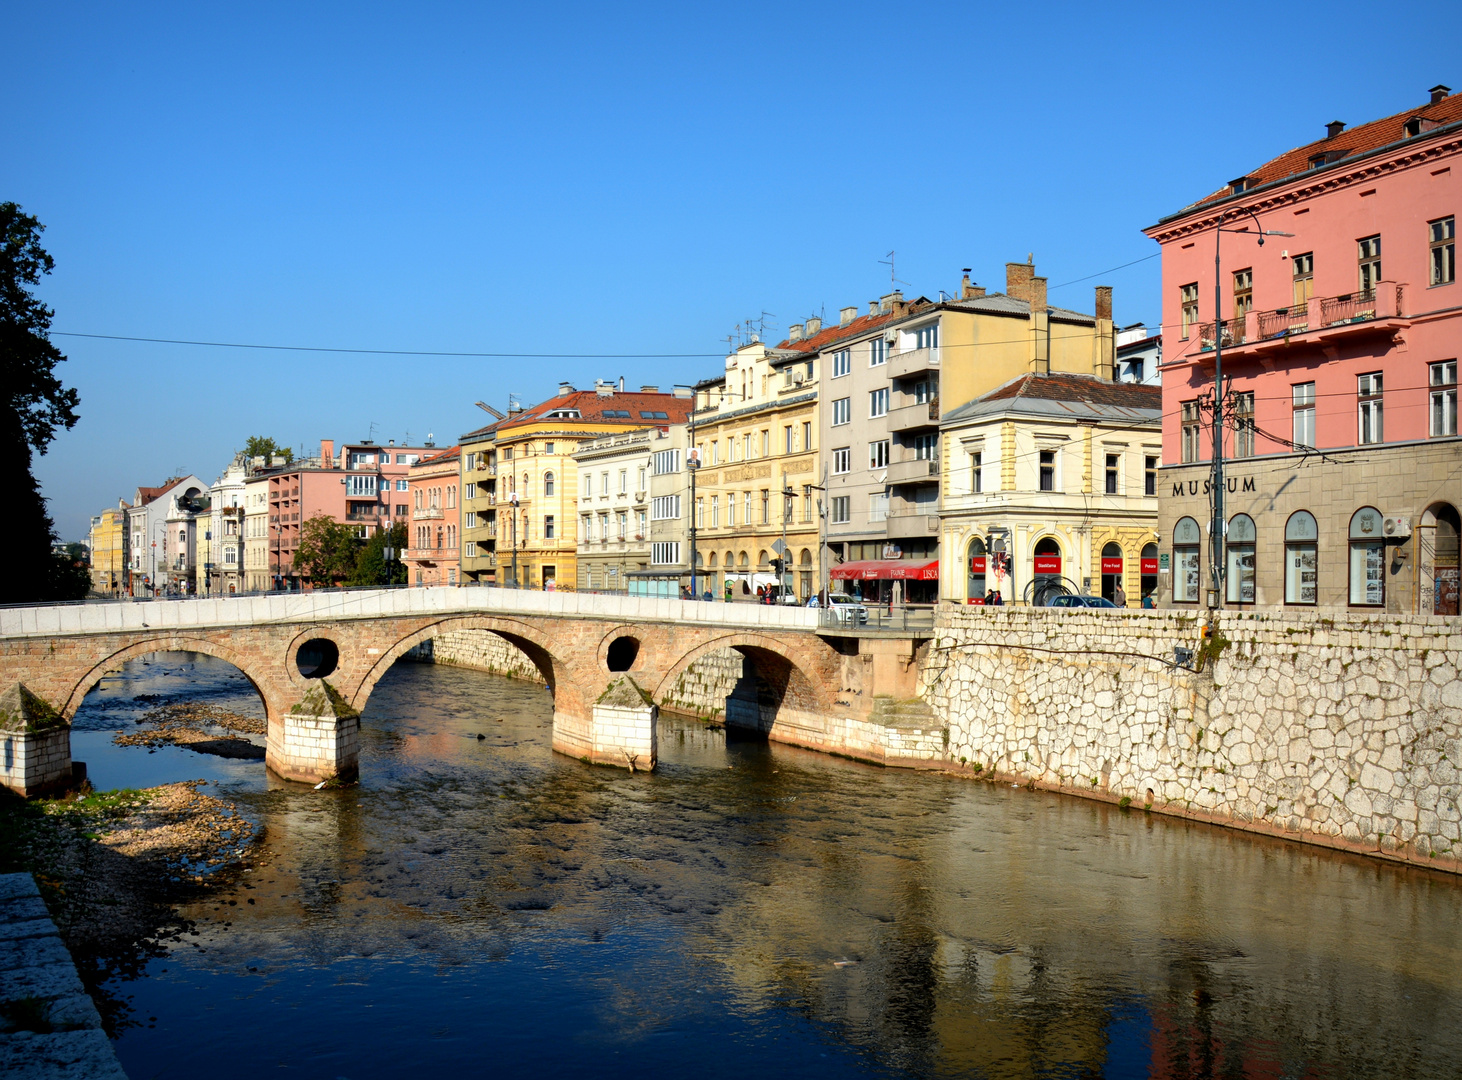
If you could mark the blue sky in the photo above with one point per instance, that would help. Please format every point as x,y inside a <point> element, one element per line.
<point>607,179</point>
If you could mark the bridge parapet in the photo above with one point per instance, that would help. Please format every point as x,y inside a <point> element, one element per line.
<point>332,606</point>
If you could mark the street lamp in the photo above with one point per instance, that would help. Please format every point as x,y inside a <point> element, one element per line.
<point>1218,551</point>
<point>513,516</point>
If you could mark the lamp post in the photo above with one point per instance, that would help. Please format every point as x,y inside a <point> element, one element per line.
<point>692,465</point>
<point>513,516</point>
<point>1218,550</point>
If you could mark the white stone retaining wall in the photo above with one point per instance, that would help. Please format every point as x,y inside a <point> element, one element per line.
<point>701,691</point>
<point>33,761</point>
<point>1334,728</point>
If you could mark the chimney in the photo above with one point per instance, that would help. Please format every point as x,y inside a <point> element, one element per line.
<point>649,389</point>
<point>846,315</point>
<point>814,326</point>
<point>1037,295</point>
<point>891,303</point>
<point>968,290</point>
<point>873,307</point>
<point>1438,92</point>
<point>1104,302</point>
<point>1017,280</point>
<point>1334,128</point>
<point>564,389</point>
<point>794,332</point>
<point>327,453</point>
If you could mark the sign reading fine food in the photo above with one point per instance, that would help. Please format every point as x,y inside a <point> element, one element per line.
<point>1111,565</point>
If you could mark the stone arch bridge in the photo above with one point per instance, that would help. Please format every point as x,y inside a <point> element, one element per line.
<point>314,659</point>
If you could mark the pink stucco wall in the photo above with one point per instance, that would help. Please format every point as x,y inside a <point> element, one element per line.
<point>1395,196</point>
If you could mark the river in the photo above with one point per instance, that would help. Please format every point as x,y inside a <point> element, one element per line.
<point>480,905</point>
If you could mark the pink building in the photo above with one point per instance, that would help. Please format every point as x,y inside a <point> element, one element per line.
<point>364,485</point>
<point>432,558</point>
<point>1339,344</point>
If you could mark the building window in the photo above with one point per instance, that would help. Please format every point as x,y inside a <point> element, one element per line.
<point>807,435</point>
<point>730,509</point>
<point>700,515</point>
<point>548,485</point>
<point>842,363</point>
<point>877,508</point>
<point>548,448</point>
<point>1192,427</point>
<point>926,446</point>
<point>1113,473</point>
<point>766,507</point>
<point>663,462</point>
<point>1189,296</point>
<point>1368,253</point>
<point>586,527</point>
<point>1048,470</point>
<point>1443,380</point>
<point>878,402</point>
<point>715,511</point>
<point>840,514</point>
<point>1303,397</point>
<point>924,392</point>
<point>640,477</point>
<point>621,521</point>
<point>470,520</point>
<point>746,507</point>
<point>1304,278</point>
<point>469,490</point>
<point>878,454</point>
<point>842,411</point>
<point>1244,425</point>
<point>806,502</point>
<point>624,481</point>
<point>1368,392</point>
<point>665,553</point>
<point>766,443</point>
<point>927,337</point>
<point>1301,558</point>
<point>469,549</point>
<point>1367,558</point>
<point>1187,546</point>
<point>977,475</point>
<point>548,531</point>
<point>842,460</point>
<point>1443,233</point>
<point>1243,296</point>
<point>789,445</point>
<point>1240,545</point>
<point>665,508</point>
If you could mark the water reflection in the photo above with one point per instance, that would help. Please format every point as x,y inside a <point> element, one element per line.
<point>482,903</point>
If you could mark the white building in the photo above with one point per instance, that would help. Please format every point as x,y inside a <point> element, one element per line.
<point>220,564</point>
<point>148,540</point>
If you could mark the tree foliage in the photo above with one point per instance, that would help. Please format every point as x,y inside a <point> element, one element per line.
<point>33,404</point>
<point>264,447</point>
<point>372,568</point>
<point>328,551</point>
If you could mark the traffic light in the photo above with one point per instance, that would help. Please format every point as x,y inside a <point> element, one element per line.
<point>778,566</point>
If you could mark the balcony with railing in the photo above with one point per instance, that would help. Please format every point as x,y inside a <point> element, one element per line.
<point>427,513</point>
<point>912,362</point>
<point>911,417</point>
<point>910,520</point>
<point>919,470</point>
<point>1320,319</point>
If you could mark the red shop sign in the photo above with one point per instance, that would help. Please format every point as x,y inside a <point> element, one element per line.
<point>1048,564</point>
<point>1112,566</point>
<point>977,564</point>
<point>1149,566</point>
<point>976,600</point>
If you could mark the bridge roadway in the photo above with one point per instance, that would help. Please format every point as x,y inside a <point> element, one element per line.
<point>609,661</point>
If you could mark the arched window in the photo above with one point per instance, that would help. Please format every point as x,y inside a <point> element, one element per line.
<point>713,560</point>
<point>1112,573</point>
<point>1301,558</point>
<point>1187,561</point>
<point>548,485</point>
<point>1045,571</point>
<point>975,582</point>
<point>1149,572</point>
<point>1240,544</point>
<point>1446,564</point>
<point>1367,558</point>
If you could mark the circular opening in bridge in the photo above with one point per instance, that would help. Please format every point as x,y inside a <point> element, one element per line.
<point>317,658</point>
<point>622,653</point>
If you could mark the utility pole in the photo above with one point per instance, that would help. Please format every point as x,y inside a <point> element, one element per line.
<point>692,464</point>
<point>513,515</point>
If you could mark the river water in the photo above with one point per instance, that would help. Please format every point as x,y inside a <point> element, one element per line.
<point>481,906</point>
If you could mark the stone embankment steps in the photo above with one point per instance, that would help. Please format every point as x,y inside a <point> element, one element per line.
<point>39,989</point>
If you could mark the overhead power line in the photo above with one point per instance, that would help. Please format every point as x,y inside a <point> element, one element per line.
<point>394,352</point>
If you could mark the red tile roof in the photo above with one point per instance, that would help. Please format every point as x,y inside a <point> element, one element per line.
<point>592,406</point>
<point>1063,387</point>
<point>860,325</point>
<point>1358,140</point>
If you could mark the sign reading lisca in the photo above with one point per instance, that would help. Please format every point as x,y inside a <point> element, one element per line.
<point>1234,485</point>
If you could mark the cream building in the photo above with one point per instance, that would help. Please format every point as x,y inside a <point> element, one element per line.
<point>1049,484</point>
<point>220,566</point>
<point>755,431</point>
<point>614,508</point>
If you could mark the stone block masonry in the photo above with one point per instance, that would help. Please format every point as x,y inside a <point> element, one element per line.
<point>481,650</point>
<point>1342,730</point>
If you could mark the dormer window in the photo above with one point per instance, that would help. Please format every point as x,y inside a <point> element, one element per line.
<point>1242,184</point>
<point>1413,127</point>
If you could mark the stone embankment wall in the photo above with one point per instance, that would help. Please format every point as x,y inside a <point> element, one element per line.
<point>1338,729</point>
<point>701,691</point>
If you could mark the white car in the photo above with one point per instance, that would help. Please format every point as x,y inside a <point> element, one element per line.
<point>845,608</point>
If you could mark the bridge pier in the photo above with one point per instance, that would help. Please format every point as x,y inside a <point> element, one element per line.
<point>317,740</point>
<point>621,729</point>
<point>35,757</point>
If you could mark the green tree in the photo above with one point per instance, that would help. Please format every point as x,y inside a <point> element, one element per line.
<point>372,567</point>
<point>328,551</point>
<point>264,447</point>
<point>33,404</point>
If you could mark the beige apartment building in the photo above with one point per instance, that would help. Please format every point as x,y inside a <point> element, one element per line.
<point>755,434</point>
<point>887,378</point>
<point>614,507</point>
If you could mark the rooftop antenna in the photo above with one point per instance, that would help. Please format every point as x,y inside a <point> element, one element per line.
<point>406,439</point>
<point>513,403</point>
<point>372,434</point>
<point>894,281</point>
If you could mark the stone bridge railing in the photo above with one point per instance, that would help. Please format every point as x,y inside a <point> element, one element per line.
<point>111,617</point>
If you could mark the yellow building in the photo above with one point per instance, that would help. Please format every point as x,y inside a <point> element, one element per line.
<point>755,429</point>
<point>108,542</point>
<point>534,487</point>
<point>1049,485</point>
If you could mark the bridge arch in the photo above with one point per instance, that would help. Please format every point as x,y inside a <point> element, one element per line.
<point>170,643</point>
<point>530,639</point>
<point>784,676</point>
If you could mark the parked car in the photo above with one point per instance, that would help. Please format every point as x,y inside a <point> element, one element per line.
<point>844,608</point>
<point>1071,600</point>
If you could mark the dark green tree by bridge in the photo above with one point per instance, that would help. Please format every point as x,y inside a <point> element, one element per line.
<point>33,404</point>
<point>328,551</point>
<point>373,568</point>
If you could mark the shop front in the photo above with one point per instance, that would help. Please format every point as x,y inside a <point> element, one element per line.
<point>907,581</point>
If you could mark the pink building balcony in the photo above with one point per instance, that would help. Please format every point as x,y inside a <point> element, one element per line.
<point>1324,320</point>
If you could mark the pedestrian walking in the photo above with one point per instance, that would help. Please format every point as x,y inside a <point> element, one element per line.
<point>1121,598</point>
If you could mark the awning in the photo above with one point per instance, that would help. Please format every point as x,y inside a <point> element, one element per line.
<point>887,570</point>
